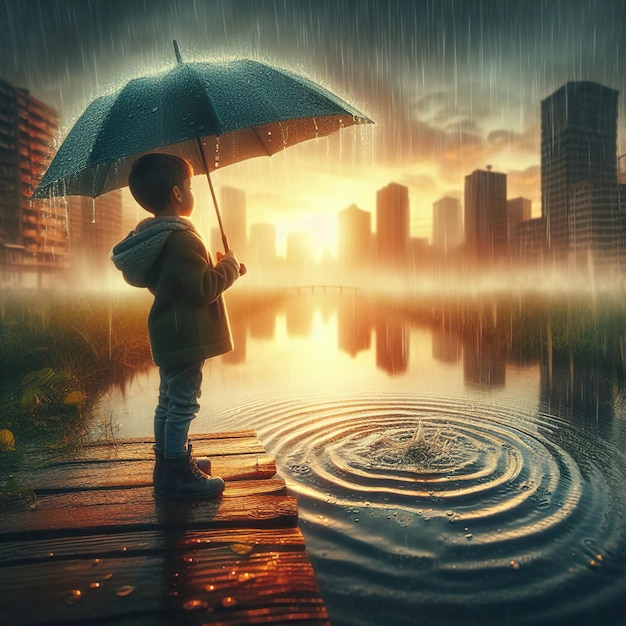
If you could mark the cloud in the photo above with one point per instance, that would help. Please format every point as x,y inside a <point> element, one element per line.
<point>507,139</point>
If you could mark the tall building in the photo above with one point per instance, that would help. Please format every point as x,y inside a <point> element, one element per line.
<point>233,211</point>
<point>447,224</point>
<point>518,210</point>
<point>485,214</point>
<point>392,224</point>
<point>529,240</point>
<point>262,251</point>
<point>33,234</point>
<point>95,226</point>
<point>579,171</point>
<point>355,237</point>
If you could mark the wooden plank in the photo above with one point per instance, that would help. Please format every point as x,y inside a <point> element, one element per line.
<point>142,450</point>
<point>215,585</point>
<point>97,526</point>
<point>180,583</point>
<point>117,509</point>
<point>120,474</point>
<point>195,438</point>
<point>37,550</point>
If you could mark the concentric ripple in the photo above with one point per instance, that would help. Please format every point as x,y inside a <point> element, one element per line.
<point>442,507</point>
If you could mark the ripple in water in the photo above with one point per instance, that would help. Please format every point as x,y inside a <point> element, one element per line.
<point>452,512</point>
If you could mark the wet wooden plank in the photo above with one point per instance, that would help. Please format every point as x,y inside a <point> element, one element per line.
<point>97,525</point>
<point>125,474</point>
<point>95,546</point>
<point>138,450</point>
<point>126,509</point>
<point>194,438</point>
<point>220,584</point>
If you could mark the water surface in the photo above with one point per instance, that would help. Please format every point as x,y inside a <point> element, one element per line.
<point>460,468</point>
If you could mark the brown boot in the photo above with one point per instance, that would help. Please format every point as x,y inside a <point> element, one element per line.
<point>183,479</point>
<point>203,463</point>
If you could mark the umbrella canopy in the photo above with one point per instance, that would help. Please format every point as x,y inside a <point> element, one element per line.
<point>212,114</point>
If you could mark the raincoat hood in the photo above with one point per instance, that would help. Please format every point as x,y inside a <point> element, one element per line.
<point>138,251</point>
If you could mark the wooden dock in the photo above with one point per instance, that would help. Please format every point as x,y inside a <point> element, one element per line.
<point>96,546</point>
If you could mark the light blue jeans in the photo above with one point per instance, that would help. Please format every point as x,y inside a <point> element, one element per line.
<point>179,391</point>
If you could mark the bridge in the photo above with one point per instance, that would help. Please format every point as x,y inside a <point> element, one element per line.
<point>320,289</point>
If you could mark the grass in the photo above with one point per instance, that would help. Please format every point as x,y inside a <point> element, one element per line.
<point>58,355</point>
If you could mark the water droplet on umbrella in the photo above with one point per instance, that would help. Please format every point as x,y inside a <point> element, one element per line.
<point>245,577</point>
<point>94,585</point>
<point>154,110</point>
<point>229,601</point>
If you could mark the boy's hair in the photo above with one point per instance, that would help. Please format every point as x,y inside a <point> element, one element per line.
<point>153,176</point>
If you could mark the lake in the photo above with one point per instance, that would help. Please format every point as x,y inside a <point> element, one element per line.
<point>455,463</point>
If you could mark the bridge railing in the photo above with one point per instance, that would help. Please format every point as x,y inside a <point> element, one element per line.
<point>298,289</point>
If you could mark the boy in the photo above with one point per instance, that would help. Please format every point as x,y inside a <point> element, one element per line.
<point>187,322</point>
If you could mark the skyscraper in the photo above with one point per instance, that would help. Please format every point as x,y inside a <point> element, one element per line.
<point>579,170</point>
<point>447,224</point>
<point>94,228</point>
<point>234,219</point>
<point>392,224</point>
<point>485,214</point>
<point>517,210</point>
<point>355,237</point>
<point>262,245</point>
<point>33,234</point>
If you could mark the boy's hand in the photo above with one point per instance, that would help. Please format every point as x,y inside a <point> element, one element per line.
<point>230,254</point>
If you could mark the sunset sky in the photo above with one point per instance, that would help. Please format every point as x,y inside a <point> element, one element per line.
<point>451,85</point>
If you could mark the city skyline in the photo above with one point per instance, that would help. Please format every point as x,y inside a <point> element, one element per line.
<point>579,186</point>
<point>452,86</point>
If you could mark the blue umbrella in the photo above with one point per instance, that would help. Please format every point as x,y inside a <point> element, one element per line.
<point>212,114</point>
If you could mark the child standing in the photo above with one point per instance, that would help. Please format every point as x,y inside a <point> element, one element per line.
<point>187,322</point>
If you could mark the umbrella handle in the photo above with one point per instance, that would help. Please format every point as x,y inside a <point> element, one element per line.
<point>217,213</point>
<point>217,209</point>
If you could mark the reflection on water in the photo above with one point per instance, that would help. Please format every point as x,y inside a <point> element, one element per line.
<point>453,464</point>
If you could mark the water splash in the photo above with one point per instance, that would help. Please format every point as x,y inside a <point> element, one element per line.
<point>462,504</point>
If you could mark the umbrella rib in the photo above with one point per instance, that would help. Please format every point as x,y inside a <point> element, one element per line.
<point>255,130</point>
<point>217,123</point>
